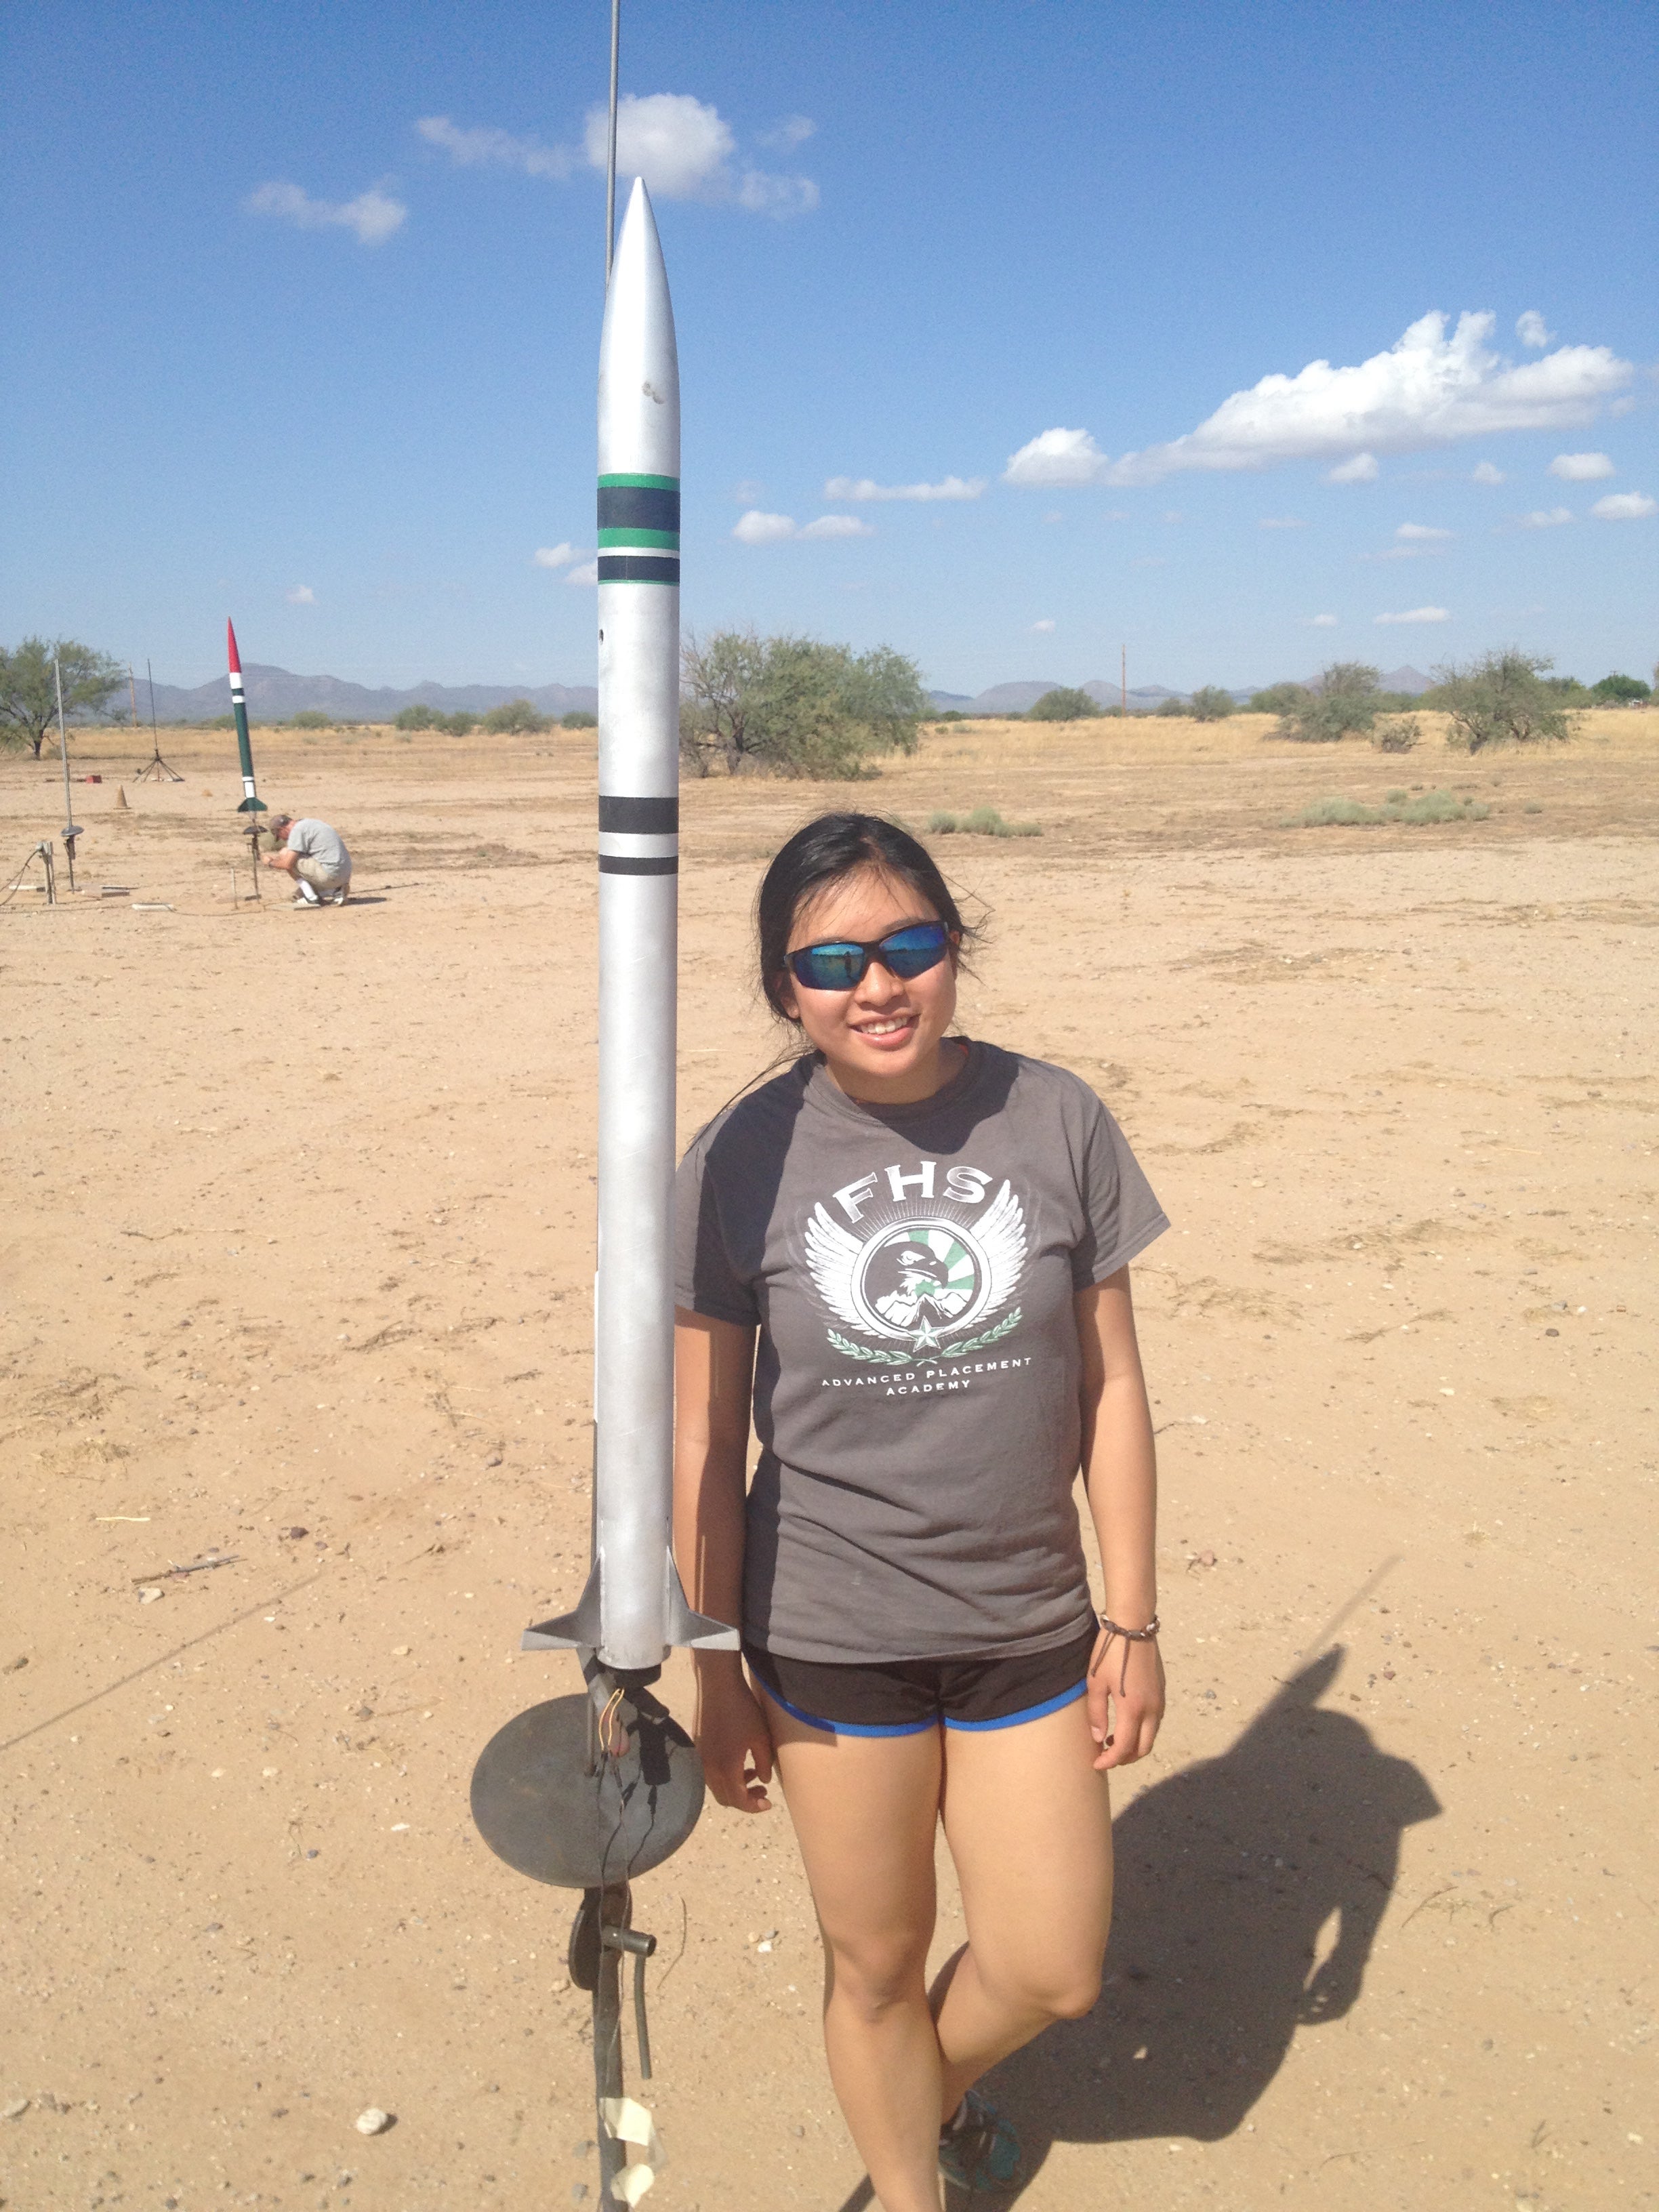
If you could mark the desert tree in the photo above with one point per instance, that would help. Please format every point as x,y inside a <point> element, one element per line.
<point>794,706</point>
<point>1616,690</point>
<point>28,688</point>
<point>1345,703</point>
<point>1501,699</point>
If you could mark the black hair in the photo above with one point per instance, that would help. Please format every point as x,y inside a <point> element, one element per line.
<point>826,852</point>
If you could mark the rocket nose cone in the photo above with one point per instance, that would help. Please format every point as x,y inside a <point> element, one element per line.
<point>230,641</point>
<point>639,362</point>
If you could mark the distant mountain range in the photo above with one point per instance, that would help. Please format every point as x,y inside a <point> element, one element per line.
<point>1144,698</point>
<point>273,694</point>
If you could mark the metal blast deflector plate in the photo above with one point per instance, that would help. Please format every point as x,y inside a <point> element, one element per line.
<point>537,1806</point>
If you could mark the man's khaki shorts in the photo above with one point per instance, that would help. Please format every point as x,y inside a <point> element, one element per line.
<point>320,878</point>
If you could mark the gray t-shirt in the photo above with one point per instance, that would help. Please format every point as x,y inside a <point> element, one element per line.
<point>316,841</point>
<point>912,1270</point>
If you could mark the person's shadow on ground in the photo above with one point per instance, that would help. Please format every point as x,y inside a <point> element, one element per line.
<point>1227,1875</point>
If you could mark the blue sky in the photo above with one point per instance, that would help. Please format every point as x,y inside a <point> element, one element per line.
<point>305,307</point>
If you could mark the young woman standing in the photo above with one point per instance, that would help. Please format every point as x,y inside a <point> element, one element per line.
<point>905,1262</point>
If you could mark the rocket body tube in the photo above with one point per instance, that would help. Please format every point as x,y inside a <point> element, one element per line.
<point>251,802</point>
<point>634,1609</point>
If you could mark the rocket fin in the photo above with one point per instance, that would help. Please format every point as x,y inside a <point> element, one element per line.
<point>695,1630</point>
<point>253,806</point>
<point>571,1631</point>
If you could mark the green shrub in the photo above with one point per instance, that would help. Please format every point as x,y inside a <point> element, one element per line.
<point>1277,698</point>
<point>579,718</point>
<point>983,821</point>
<point>1210,703</point>
<point>516,718</point>
<point>1620,690</point>
<point>461,724</point>
<point>1346,704</point>
<point>1400,734</point>
<point>1172,710</point>
<point>418,716</point>
<point>1063,704</point>
<point>1430,806</point>
<point>311,717</point>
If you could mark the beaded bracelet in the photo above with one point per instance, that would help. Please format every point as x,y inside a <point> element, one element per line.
<point>1147,1635</point>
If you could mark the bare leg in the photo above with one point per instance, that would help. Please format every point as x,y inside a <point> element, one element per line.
<point>1029,1823</point>
<point>865,1810</point>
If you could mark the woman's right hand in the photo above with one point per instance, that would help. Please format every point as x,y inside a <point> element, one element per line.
<point>734,1740</point>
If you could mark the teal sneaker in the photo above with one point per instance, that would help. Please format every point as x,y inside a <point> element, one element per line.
<point>979,2150</point>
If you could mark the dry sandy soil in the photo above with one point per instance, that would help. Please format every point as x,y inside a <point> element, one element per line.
<point>296,1250</point>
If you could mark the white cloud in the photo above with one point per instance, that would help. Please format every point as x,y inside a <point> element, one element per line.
<point>1058,457</point>
<point>1544,518</point>
<point>553,556</point>
<point>867,488</point>
<point>1429,389</point>
<point>1626,507</point>
<point>1532,329</point>
<point>679,146</point>
<point>587,574</point>
<point>784,137</point>
<point>300,596</point>
<point>1483,472</point>
<point>1581,468</point>
<point>683,149</point>
<point>1361,469</point>
<point>1321,622</point>
<point>754,528</point>
<point>749,491</point>
<point>1281,522</point>
<point>838,526</point>
<point>1042,627</point>
<point>1424,530</point>
<point>484,146</point>
<point>782,196</point>
<point>1417,615</point>
<point>372,216</point>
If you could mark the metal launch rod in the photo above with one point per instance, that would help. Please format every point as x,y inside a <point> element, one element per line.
<point>70,833</point>
<point>611,145</point>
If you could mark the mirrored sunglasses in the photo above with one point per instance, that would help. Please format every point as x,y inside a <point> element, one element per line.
<point>842,964</point>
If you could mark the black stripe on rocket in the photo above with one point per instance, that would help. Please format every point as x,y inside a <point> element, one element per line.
<point>639,506</point>
<point>639,569</point>
<point>638,836</point>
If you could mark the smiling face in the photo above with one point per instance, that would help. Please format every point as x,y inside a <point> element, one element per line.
<point>882,1039</point>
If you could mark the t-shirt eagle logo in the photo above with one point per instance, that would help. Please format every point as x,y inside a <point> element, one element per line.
<point>920,1278</point>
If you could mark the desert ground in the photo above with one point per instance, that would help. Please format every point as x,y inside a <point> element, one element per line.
<point>297,1245</point>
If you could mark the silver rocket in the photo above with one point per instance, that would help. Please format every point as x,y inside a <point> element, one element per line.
<point>633,1610</point>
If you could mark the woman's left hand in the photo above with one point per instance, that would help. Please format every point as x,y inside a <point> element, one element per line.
<point>1125,1700</point>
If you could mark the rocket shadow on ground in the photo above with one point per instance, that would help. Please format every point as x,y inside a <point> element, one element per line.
<point>1227,1875</point>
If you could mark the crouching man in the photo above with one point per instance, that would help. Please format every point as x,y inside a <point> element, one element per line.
<point>315,856</point>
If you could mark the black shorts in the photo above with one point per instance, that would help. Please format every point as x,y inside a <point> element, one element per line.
<point>905,1696</point>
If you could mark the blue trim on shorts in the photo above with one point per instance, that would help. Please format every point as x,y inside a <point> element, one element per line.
<point>919,1728</point>
<point>848,1727</point>
<point>1026,1713</point>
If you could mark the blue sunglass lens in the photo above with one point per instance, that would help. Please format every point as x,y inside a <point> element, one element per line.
<point>906,953</point>
<point>913,952</point>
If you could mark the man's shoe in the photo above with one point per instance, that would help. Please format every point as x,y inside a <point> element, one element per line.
<point>978,2149</point>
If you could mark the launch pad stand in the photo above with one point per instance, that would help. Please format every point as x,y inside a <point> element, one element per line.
<point>163,771</point>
